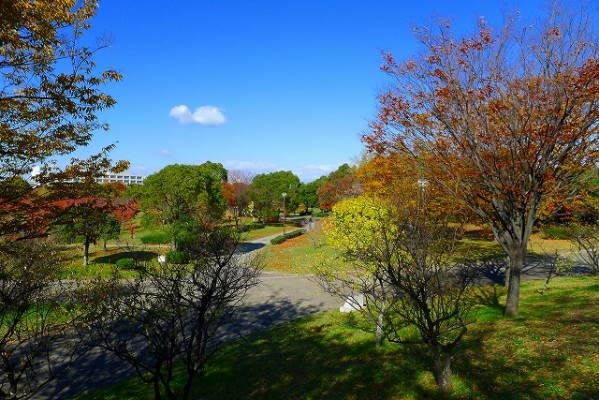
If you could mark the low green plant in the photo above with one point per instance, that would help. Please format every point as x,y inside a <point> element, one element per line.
<point>562,232</point>
<point>156,238</point>
<point>289,235</point>
<point>125,263</point>
<point>177,257</point>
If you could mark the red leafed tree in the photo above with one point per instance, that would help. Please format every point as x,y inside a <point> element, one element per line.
<point>394,177</point>
<point>124,209</point>
<point>339,184</point>
<point>237,192</point>
<point>126,212</point>
<point>86,215</point>
<point>499,119</point>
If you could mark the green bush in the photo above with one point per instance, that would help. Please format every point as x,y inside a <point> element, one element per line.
<point>156,238</point>
<point>125,263</point>
<point>281,238</point>
<point>177,257</point>
<point>563,232</point>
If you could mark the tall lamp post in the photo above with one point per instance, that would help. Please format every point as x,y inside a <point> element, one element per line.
<point>284,197</point>
<point>422,184</point>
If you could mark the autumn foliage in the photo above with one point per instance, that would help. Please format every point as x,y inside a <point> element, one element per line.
<point>498,119</point>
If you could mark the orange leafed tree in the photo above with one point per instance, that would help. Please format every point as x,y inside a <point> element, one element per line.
<point>398,178</point>
<point>125,213</point>
<point>499,119</point>
<point>237,192</point>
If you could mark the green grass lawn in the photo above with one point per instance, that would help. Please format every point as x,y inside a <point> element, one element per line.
<point>257,231</point>
<point>299,255</point>
<point>102,262</point>
<point>550,351</point>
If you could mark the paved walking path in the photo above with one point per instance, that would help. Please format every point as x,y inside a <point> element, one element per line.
<point>276,299</point>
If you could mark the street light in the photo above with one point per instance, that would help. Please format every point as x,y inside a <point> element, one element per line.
<point>422,184</point>
<point>284,197</point>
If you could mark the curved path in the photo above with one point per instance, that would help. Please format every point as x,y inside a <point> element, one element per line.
<point>276,299</point>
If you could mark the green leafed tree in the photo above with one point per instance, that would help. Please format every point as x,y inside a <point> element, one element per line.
<point>176,194</point>
<point>308,193</point>
<point>267,193</point>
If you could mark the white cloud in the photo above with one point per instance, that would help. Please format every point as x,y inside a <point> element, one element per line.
<point>306,173</point>
<point>255,167</point>
<point>310,173</point>
<point>204,115</point>
<point>166,153</point>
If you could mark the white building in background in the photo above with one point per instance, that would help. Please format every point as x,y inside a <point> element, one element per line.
<point>124,178</point>
<point>127,179</point>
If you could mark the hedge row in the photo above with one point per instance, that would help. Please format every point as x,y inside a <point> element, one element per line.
<point>280,239</point>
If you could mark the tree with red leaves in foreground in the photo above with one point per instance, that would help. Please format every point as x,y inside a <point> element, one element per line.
<point>51,94</point>
<point>499,119</point>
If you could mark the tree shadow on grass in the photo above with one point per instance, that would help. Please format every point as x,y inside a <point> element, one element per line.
<point>294,361</point>
<point>107,370</point>
<point>488,296</point>
<point>322,357</point>
<point>534,356</point>
<point>139,255</point>
<point>325,358</point>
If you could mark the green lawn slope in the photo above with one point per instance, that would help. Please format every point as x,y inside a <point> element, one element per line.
<point>550,351</point>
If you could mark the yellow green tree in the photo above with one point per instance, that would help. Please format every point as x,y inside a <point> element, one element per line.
<point>403,262</point>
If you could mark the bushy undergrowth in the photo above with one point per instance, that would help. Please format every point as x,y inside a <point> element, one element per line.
<point>125,263</point>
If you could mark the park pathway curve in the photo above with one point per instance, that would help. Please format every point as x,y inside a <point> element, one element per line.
<point>276,299</point>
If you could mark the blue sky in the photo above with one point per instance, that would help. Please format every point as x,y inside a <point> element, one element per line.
<point>257,85</point>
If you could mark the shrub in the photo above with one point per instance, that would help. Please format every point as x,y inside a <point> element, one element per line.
<point>563,232</point>
<point>177,257</point>
<point>125,263</point>
<point>156,238</point>
<point>281,238</point>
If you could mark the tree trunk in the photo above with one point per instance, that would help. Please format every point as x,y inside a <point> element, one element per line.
<point>86,252</point>
<point>513,289</point>
<point>443,371</point>
<point>156,384</point>
<point>379,326</point>
<point>507,272</point>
